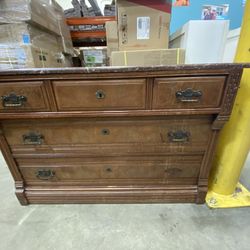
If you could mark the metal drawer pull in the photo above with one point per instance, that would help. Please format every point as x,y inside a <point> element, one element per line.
<point>43,174</point>
<point>33,139</point>
<point>13,100</point>
<point>189,95</point>
<point>179,136</point>
<point>100,94</point>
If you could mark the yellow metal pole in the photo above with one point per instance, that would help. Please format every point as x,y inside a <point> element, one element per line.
<point>234,140</point>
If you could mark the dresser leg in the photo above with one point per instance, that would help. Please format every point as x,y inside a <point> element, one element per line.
<point>20,194</point>
<point>201,196</point>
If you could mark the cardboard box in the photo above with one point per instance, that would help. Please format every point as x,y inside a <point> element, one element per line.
<point>26,34</point>
<point>94,56</point>
<point>31,57</point>
<point>111,37</point>
<point>143,24</point>
<point>36,12</point>
<point>25,46</point>
<point>65,40</point>
<point>148,57</point>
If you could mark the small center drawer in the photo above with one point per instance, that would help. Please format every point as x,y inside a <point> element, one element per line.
<point>100,94</point>
<point>23,96</point>
<point>188,92</point>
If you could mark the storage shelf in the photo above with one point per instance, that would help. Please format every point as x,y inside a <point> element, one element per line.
<point>90,20</point>
<point>83,37</point>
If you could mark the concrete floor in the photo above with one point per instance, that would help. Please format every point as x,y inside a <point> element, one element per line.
<point>115,227</point>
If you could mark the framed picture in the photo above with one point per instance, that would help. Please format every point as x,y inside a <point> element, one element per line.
<point>215,12</point>
<point>181,3</point>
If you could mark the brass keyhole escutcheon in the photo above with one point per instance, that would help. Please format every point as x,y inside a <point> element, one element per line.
<point>100,94</point>
<point>105,131</point>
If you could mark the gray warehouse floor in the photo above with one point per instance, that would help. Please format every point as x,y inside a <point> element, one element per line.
<point>124,227</point>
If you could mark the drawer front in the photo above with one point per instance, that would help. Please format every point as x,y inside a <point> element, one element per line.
<point>188,92</point>
<point>175,133</point>
<point>113,171</point>
<point>100,94</point>
<point>26,96</point>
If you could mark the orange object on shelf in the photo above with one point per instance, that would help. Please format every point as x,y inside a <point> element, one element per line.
<point>83,34</point>
<point>89,20</point>
<point>88,34</point>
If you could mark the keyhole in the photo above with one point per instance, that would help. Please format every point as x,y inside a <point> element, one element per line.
<point>100,94</point>
<point>109,170</point>
<point>105,131</point>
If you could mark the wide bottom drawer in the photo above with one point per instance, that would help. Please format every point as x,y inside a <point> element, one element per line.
<point>111,171</point>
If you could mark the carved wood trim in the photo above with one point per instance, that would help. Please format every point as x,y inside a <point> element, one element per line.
<point>219,122</point>
<point>233,84</point>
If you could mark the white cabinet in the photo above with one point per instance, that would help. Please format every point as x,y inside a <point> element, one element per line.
<point>204,41</point>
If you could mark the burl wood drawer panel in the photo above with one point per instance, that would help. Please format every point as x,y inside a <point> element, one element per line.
<point>23,96</point>
<point>188,92</point>
<point>100,94</point>
<point>103,136</point>
<point>111,171</point>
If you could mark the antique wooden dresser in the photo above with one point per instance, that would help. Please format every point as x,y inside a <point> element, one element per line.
<point>114,135</point>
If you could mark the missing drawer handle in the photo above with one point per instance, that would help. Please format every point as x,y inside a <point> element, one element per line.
<point>13,100</point>
<point>173,171</point>
<point>189,95</point>
<point>100,94</point>
<point>33,139</point>
<point>178,136</point>
<point>43,174</point>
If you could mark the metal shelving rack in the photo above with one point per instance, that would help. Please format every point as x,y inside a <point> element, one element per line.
<point>89,37</point>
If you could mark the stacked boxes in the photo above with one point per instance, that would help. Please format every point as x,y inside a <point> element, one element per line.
<point>142,31</point>
<point>33,34</point>
<point>148,57</point>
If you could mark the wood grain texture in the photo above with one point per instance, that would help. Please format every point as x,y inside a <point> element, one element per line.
<point>113,171</point>
<point>114,94</point>
<point>115,135</point>
<point>34,91</point>
<point>165,89</point>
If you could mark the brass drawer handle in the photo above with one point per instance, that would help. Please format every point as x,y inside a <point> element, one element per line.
<point>100,94</point>
<point>179,136</point>
<point>43,174</point>
<point>13,100</point>
<point>189,95</point>
<point>33,139</point>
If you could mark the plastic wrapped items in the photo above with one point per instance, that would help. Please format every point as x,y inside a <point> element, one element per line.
<point>25,46</point>
<point>38,12</point>
<point>65,36</point>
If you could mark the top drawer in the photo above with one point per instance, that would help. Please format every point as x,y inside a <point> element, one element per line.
<point>100,94</point>
<point>23,96</point>
<point>188,92</point>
